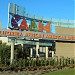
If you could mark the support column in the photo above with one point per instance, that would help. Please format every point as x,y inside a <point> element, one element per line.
<point>12,53</point>
<point>37,47</point>
<point>46,51</point>
<point>22,46</point>
<point>31,52</point>
<point>52,53</point>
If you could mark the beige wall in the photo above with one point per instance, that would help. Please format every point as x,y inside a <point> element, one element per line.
<point>65,30</point>
<point>4,39</point>
<point>65,49</point>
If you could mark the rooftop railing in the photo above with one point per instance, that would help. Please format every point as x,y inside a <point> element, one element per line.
<point>15,9</point>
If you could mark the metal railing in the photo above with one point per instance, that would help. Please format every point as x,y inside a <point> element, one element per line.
<point>15,9</point>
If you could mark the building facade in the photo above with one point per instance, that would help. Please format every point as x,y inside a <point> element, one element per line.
<point>36,35</point>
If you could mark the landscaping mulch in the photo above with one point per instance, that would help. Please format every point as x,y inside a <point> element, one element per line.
<point>37,70</point>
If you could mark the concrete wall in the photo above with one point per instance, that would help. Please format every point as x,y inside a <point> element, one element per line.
<point>4,39</point>
<point>65,49</point>
<point>65,30</point>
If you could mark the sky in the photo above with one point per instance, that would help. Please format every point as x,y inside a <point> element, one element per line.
<point>59,9</point>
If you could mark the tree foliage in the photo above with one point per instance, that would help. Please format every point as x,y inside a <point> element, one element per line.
<point>4,53</point>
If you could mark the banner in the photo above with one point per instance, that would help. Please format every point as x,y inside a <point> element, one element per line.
<point>36,35</point>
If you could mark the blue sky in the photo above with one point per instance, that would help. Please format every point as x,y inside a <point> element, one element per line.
<point>60,9</point>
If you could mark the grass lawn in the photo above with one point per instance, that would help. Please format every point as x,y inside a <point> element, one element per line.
<point>62,72</point>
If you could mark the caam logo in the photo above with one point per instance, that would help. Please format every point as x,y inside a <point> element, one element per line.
<point>24,26</point>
